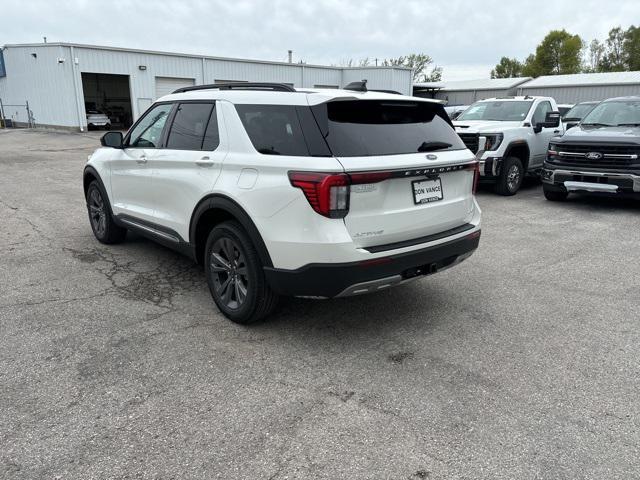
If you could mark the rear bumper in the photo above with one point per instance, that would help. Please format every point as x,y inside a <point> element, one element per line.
<point>345,279</point>
<point>586,180</point>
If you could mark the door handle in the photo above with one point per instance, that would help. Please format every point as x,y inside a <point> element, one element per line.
<point>205,162</point>
<point>142,159</point>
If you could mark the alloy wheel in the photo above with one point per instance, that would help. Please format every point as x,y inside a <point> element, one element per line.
<point>229,272</point>
<point>513,178</point>
<point>97,212</point>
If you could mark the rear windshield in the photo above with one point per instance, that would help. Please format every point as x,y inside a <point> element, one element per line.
<point>349,128</point>
<point>359,128</point>
<point>501,111</point>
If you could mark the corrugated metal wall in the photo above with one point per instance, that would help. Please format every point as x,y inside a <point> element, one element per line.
<point>46,84</point>
<point>467,97</point>
<point>583,93</point>
<point>56,100</point>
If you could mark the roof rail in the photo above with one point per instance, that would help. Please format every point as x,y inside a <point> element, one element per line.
<point>276,87</point>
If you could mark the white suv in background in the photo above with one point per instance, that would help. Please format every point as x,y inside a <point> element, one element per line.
<point>277,191</point>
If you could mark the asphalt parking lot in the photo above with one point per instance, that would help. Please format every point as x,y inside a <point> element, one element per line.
<point>521,363</point>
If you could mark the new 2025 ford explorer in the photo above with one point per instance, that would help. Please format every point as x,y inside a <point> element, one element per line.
<point>277,191</point>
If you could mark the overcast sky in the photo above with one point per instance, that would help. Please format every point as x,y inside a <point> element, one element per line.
<point>466,37</point>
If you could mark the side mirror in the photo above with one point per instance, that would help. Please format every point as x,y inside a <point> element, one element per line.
<point>112,139</point>
<point>552,119</point>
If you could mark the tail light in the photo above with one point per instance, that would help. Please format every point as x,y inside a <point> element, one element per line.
<point>327,193</point>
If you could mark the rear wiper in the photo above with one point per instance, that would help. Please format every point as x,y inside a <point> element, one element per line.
<point>628,125</point>
<point>433,146</point>
<point>598,124</point>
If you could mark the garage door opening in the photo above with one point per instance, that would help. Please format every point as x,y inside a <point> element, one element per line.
<point>109,95</point>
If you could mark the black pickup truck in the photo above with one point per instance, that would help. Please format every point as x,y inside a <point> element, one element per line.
<point>601,154</point>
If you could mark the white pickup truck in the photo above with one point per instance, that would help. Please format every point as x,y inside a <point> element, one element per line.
<point>510,137</point>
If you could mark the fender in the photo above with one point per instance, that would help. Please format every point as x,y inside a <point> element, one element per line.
<point>226,204</point>
<point>516,144</point>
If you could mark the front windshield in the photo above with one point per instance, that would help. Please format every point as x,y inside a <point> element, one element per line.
<point>615,113</point>
<point>579,111</point>
<point>501,111</point>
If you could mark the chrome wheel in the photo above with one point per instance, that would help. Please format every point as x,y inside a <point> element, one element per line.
<point>229,272</point>
<point>97,212</point>
<point>513,178</point>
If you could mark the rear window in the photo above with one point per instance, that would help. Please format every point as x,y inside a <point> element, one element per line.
<point>360,128</point>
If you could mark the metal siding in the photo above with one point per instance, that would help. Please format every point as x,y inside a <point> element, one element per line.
<point>467,97</point>
<point>55,100</point>
<point>584,93</point>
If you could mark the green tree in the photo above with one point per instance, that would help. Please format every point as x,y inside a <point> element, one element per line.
<point>631,48</point>
<point>420,64</point>
<point>595,57</point>
<point>614,58</point>
<point>559,53</point>
<point>529,67</point>
<point>507,68</point>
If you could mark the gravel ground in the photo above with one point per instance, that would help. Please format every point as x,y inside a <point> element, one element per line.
<point>521,363</point>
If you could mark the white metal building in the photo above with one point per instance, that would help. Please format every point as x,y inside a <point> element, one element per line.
<point>583,87</point>
<point>465,92</point>
<point>61,81</point>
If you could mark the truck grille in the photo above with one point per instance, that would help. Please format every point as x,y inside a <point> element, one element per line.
<point>470,140</point>
<point>598,156</point>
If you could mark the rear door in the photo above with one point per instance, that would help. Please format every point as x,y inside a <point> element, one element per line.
<point>426,172</point>
<point>187,168</point>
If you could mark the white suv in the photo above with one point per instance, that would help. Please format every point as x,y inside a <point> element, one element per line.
<point>277,191</point>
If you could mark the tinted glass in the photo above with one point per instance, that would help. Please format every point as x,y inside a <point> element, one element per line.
<point>211,135</point>
<point>189,125</point>
<point>148,132</point>
<point>274,129</point>
<point>385,127</point>
<point>618,112</point>
<point>580,110</point>
<point>503,111</point>
<point>540,114</point>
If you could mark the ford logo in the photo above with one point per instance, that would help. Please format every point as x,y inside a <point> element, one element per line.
<point>431,156</point>
<point>593,155</point>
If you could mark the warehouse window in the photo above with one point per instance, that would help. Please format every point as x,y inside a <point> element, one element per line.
<point>189,126</point>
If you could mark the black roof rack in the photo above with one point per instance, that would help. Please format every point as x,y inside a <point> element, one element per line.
<point>360,86</point>
<point>275,87</point>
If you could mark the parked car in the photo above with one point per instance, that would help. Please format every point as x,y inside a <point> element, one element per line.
<point>577,113</point>
<point>313,193</point>
<point>97,119</point>
<point>455,111</point>
<point>510,137</point>
<point>600,155</point>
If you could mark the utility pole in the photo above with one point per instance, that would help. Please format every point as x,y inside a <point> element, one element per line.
<point>45,39</point>
<point>290,55</point>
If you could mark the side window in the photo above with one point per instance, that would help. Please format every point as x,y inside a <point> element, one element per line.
<point>188,128</point>
<point>211,135</point>
<point>148,132</point>
<point>540,114</point>
<point>273,129</point>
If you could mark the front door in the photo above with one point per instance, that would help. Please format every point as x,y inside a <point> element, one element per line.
<point>540,141</point>
<point>130,173</point>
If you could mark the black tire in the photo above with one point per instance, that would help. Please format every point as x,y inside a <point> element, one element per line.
<point>511,176</point>
<point>100,216</point>
<point>554,195</point>
<point>235,275</point>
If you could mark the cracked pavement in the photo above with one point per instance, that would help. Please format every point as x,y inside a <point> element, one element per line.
<point>523,362</point>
